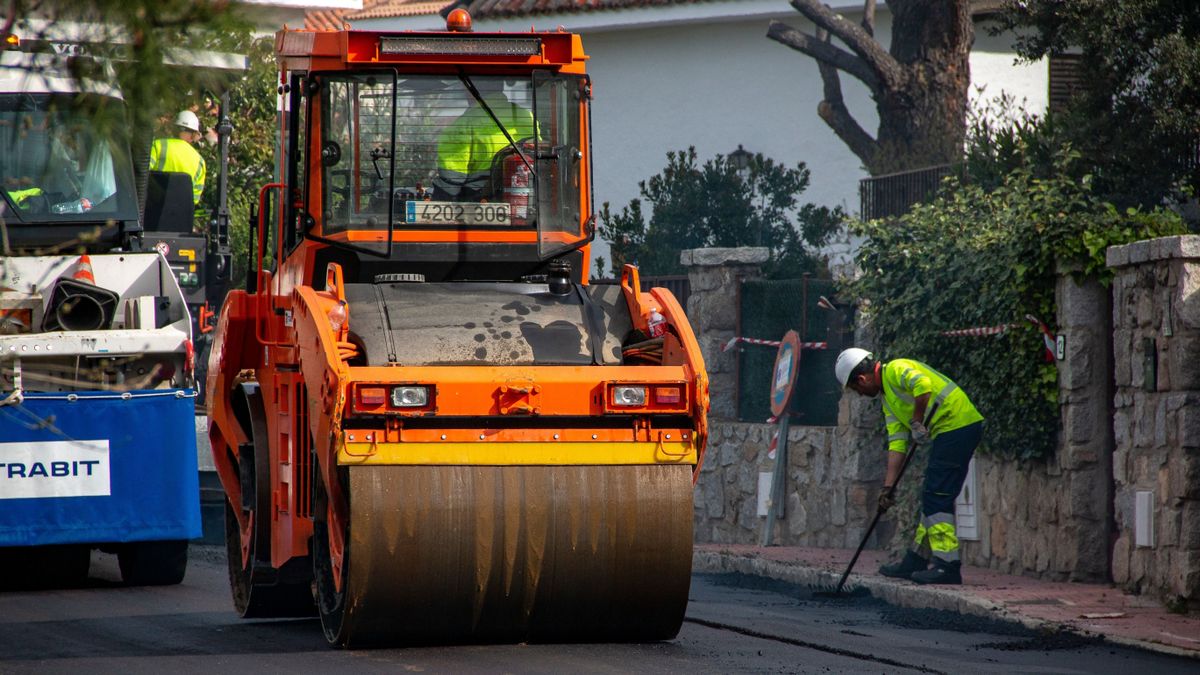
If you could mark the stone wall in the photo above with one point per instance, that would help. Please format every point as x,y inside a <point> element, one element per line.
<point>1156,347</point>
<point>1051,518</point>
<point>833,473</point>
<point>831,484</point>
<point>714,275</point>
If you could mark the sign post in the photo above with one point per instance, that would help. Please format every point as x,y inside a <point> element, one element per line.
<point>787,362</point>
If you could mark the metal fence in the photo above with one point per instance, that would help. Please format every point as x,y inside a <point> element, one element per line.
<point>892,195</point>
<point>676,283</point>
<point>769,309</point>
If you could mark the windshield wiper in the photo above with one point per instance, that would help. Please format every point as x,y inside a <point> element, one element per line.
<point>466,80</point>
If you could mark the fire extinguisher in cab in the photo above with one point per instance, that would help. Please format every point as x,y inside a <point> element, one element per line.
<point>518,186</point>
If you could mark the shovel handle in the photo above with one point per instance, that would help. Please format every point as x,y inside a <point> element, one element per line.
<point>908,455</point>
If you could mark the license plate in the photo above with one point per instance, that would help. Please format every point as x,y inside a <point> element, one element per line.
<point>456,213</point>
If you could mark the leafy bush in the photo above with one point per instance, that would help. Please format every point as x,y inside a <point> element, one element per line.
<point>980,257</point>
<point>1133,108</point>
<point>715,204</point>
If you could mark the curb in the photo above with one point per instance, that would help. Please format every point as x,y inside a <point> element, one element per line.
<point>903,595</point>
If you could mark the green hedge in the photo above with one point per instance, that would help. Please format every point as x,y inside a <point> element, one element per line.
<point>976,257</point>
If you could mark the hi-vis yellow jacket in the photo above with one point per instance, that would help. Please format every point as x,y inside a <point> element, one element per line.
<point>468,146</point>
<point>175,155</point>
<point>903,381</point>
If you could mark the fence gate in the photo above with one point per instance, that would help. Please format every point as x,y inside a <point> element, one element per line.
<point>767,310</point>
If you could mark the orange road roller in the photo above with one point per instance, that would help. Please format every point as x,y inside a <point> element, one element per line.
<point>429,426</point>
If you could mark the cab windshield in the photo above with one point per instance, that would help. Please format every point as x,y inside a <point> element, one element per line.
<point>484,152</point>
<point>57,162</point>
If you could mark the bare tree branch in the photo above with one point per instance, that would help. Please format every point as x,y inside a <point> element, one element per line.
<point>834,112</point>
<point>886,68</point>
<point>825,53</point>
<point>868,22</point>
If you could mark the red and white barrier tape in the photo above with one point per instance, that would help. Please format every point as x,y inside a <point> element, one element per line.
<point>1047,337</point>
<point>982,331</point>
<point>770,343</point>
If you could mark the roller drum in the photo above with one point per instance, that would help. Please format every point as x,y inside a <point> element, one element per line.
<point>516,553</point>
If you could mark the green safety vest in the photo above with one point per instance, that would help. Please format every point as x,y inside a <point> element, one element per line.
<point>903,381</point>
<point>468,145</point>
<point>175,155</point>
<point>19,196</point>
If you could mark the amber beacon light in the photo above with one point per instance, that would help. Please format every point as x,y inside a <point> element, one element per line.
<point>459,21</point>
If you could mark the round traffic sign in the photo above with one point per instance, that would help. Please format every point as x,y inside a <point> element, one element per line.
<point>787,362</point>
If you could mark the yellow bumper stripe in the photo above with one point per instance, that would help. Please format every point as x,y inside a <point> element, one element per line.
<point>502,454</point>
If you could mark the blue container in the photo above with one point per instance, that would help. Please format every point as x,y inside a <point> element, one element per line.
<point>98,467</point>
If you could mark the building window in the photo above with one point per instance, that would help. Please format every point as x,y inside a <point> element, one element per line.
<point>1065,80</point>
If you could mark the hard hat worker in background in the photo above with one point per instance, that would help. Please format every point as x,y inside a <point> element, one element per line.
<point>468,145</point>
<point>911,391</point>
<point>176,155</point>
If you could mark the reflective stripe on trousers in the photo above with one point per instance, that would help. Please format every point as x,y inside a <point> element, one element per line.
<point>943,538</point>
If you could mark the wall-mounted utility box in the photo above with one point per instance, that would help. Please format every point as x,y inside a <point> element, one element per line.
<point>764,492</point>
<point>1143,518</point>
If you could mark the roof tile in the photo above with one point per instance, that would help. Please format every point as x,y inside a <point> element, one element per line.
<point>374,9</point>
<point>371,9</point>
<point>324,19</point>
<point>507,8</point>
<point>377,9</point>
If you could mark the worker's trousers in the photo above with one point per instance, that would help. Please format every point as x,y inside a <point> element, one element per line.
<point>949,455</point>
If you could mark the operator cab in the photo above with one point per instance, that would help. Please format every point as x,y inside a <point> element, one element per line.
<point>451,155</point>
<point>65,170</point>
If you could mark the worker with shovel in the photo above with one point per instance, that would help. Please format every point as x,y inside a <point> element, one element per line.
<point>920,405</point>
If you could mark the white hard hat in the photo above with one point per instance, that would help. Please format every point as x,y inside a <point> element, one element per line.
<point>847,361</point>
<point>188,120</point>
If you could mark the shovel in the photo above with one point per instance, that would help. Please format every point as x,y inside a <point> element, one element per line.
<point>912,446</point>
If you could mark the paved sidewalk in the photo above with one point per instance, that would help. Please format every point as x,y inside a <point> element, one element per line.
<point>1098,609</point>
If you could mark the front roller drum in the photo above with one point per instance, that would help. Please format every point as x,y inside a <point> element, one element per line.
<point>512,553</point>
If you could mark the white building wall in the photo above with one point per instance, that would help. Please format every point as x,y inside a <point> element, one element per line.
<point>707,76</point>
<point>995,70</point>
<point>714,87</point>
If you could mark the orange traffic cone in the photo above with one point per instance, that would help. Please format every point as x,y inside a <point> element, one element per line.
<point>83,270</point>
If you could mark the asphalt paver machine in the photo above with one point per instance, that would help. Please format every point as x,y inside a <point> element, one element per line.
<point>429,426</point>
<point>97,428</point>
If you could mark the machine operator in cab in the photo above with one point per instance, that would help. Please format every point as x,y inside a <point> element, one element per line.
<point>467,148</point>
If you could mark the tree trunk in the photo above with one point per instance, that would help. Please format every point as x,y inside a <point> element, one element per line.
<point>919,86</point>
<point>923,121</point>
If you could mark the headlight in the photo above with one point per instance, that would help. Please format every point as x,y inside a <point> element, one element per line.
<point>638,397</point>
<point>629,396</point>
<point>410,397</point>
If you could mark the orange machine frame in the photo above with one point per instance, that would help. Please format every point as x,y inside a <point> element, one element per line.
<point>282,334</point>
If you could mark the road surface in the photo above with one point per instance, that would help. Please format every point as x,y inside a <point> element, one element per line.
<point>734,624</point>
